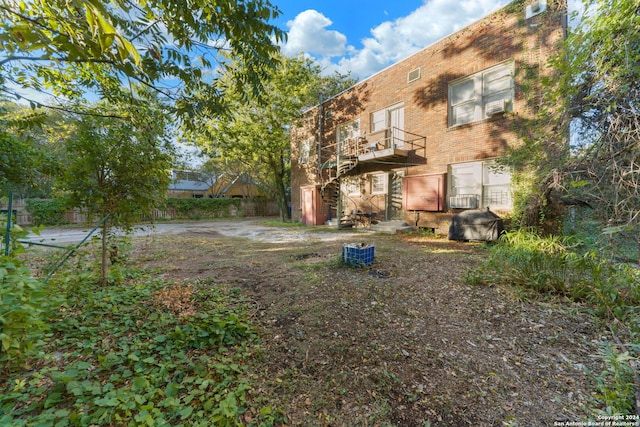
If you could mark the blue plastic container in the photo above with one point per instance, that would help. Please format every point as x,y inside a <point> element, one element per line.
<point>358,254</point>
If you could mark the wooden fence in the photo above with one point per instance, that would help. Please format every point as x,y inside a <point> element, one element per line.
<point>248,208</point>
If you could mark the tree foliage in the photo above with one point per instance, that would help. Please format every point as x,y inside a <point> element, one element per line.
<point>22,299</point>
<point>74,48</point>
<point>583,144</point>
<point>118,167</point>
<point>220,174</point>
<point>18,156</point>
<point>256,133</point>
<point>601,75</point>
<point>15,157</point>
<point>31,148</point>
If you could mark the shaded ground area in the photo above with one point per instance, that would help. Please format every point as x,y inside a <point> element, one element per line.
<point>406,342</point>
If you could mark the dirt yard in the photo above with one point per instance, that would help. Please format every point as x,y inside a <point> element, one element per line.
<point>406,342</point>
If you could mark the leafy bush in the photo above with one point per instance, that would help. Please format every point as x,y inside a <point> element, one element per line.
<point>193,208</point>
<point>615,384</point>
<point>548,265</point>
<point>140,354</point>
<point>22,300</point>
<point>47,211</point>
<point>52,211</point>
<point>588,233</point>
<point>21,305</point>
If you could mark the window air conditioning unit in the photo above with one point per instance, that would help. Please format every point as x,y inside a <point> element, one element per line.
<point>495,107</point>
<point>463,201</point>
<point>535,8</point>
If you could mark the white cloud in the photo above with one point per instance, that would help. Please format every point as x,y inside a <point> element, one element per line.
<point>390,41</point>
<point>308,34</point>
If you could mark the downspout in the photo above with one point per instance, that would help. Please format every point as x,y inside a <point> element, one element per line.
<point>320,129</point>
<point>320,138</point>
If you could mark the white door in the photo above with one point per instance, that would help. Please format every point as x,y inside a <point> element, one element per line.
<point>396,125</point>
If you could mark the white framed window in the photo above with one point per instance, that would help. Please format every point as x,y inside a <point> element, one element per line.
<point>351,186</point>
<point>378,120</point>
<point>379,183</point>
<point>346,134</point>
<point>392,116</point>
<point>481,95</point>
<point>479,184</point>
<point>305,150</point>
<point>388,123</point>
<point>496,186</point>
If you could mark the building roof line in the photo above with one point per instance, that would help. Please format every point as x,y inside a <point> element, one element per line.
<point>323,101</point>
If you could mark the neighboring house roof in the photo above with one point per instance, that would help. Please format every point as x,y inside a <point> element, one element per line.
<point>186,185</point>
<point>240,179</point>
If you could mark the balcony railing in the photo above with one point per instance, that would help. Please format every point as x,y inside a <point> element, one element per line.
<point>383,139</point>
<point>391,144</point>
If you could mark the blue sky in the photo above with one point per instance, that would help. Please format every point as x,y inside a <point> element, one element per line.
<point>365,36</point>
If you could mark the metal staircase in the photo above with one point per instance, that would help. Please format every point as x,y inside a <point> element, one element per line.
<point>345,165</point>
<point>330,189</point>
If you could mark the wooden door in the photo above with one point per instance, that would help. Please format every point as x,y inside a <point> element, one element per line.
<point>308,209</point>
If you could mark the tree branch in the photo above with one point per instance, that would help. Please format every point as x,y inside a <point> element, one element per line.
<point>144,30</point>
<point>58,59</point>
<point>72,111</point>
<point>154,88</point>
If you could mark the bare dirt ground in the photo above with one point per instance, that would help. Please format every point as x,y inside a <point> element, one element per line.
<point>253,229</point>
<point>406,342</point>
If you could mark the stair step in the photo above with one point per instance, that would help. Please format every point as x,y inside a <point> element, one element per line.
<point>390,227</point>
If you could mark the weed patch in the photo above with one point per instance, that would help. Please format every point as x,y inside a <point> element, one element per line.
<point>406,342</point>
<point>610,292</point>
<point>140,354</point>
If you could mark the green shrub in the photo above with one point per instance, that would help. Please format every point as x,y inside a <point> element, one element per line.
<point>192,208</point>
<point>22,299</point>
<point>549,265</point>
<point>615,388</point>
<point>47,211</point>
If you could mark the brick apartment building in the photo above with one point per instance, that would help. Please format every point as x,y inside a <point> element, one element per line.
<point>418,141</point>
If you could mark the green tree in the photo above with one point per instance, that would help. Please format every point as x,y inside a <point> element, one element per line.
<point>257,133</point>
<point>74,48</point>
<point>219,173</point>
<point>582,144</point>
<point>18,156</point>
<point>118,167</point>
<point>34,146</point>
<point>601,71</point>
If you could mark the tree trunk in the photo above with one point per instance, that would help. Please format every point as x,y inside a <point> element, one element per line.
<point>105,266</point>
<point>281,196</point>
